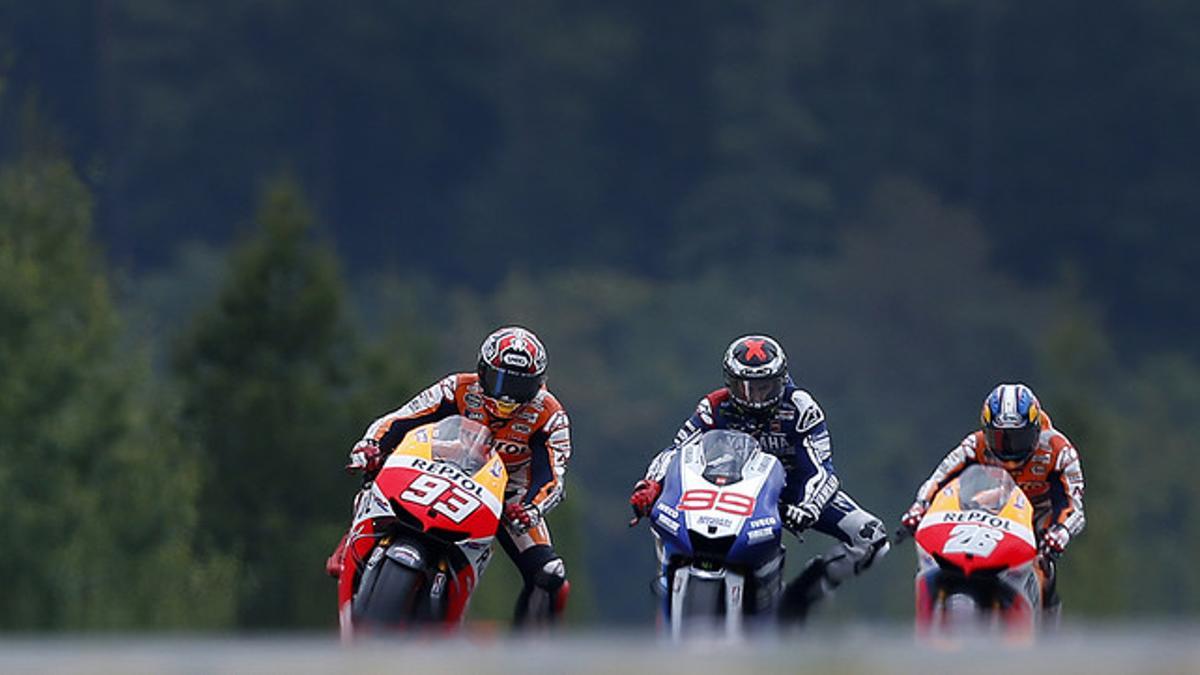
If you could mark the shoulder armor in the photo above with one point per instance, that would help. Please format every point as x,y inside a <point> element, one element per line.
<point>450,384</point>
<point>706,406</point>
<point>552,412</point>
<point>809,414</point>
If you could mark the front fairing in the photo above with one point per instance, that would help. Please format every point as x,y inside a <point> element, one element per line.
<point>667,521</point>
<point>737,523</point>
<point>437,497</point>
<point>979,522</point>
<point>761,534</point>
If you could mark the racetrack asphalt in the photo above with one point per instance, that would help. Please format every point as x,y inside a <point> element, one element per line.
<point>1167,648</point>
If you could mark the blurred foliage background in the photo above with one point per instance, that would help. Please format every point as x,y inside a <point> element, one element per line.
<point>233,233</point>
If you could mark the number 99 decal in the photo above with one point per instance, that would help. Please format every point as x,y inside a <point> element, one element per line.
<point>729,502</point>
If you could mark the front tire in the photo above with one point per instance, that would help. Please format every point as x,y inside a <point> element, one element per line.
<point>701,607</point>
<point>961,612</point>
<point>389,595</point>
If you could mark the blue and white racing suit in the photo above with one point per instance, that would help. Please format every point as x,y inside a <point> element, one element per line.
<point>796,433</point>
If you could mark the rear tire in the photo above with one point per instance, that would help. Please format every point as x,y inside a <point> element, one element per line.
<point>388,596</point>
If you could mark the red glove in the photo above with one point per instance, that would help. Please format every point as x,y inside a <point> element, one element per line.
<point>1054,541</point>
<point>912,517</point>
<point>522,517</point>
<point>645,493</point>
<point>366,456</point>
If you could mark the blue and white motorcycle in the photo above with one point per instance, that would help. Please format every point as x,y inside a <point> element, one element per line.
<point>718,534</point>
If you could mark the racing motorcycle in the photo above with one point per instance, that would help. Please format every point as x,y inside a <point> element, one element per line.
<point>977,559</point>
<point>718,535</point>
<point>422,530</point>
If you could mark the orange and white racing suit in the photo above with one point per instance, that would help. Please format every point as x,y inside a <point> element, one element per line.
<point>535,445</point>
<point>1052,478</point>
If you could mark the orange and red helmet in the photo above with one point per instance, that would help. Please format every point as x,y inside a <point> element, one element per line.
<point>512,369</point>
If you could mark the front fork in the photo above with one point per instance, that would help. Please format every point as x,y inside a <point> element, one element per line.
<point>734,585</point>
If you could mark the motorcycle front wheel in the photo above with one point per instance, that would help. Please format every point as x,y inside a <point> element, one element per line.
<point>389,595</point>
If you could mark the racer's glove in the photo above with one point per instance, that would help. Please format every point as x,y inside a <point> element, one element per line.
<point>366,456</point>
<point>912,517</point>
<point>1054,541</point>
<point>645,493</point>
<point>522,517</point>
<point>798,518</point>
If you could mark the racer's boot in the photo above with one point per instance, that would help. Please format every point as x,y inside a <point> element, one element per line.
<point>544,596</point>
<point>825,573</point>
<point>1052,615</point>
<point>333,565</point>
<point>814,582</point>
<point>542,601</point>
<point>1051,601</point>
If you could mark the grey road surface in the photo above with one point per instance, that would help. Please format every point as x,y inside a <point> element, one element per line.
<point>1144,649</point>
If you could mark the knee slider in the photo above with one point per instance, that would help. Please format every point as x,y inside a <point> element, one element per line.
<point>551,576</point>
<point>870,543</point>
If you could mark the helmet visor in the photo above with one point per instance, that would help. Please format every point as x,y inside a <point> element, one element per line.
<point>756,393</point>
<point>1013,445</point>
<point>505,384</point>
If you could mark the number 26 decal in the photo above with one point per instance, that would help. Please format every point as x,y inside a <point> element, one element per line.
<point>973,539</point>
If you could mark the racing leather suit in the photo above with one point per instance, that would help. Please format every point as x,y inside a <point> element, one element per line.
<point>535,445</point>
<point>1052,479</point>
<point>796,433</point>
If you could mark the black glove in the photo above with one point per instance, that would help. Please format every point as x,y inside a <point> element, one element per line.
<point>798,518</point>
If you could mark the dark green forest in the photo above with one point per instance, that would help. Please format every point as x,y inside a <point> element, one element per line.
<point>234,233</point>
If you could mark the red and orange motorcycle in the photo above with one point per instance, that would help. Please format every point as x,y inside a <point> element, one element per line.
<point>977,559</point>
<point>423,530</point>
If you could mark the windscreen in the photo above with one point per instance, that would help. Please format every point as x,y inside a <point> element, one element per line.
<point>985,488</point>
<point>725,454</point>
<point>462,442</point>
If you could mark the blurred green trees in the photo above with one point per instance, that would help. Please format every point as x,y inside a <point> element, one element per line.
<point>920,200</point>
<point>273,382</point>
<point>98,490</point>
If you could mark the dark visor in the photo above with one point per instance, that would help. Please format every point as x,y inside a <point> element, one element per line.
<point>757,392</point>
<point>517,387</point>
<point>1013,444</point>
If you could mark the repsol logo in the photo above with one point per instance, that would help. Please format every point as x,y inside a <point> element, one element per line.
<point>506,448</point>
<point>1034,487</point>
<point>448,471</point>
<point>976,517</point>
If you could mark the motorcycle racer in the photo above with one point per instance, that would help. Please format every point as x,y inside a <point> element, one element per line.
<point>1016,433</point>
<point>531,433</point>
<point>760,399</point>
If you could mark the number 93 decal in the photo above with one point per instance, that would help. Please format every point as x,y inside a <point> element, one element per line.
<point>445,497</point>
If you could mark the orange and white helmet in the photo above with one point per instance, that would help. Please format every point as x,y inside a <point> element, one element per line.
<point>512,369</point>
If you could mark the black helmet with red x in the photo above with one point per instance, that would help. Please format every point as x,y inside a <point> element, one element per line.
<point>755,372</point>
